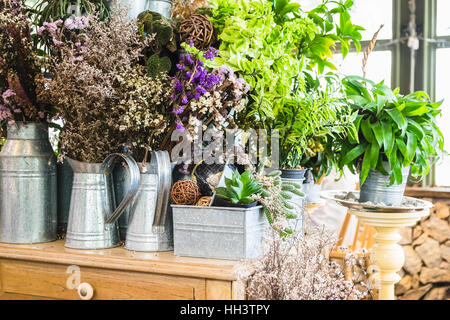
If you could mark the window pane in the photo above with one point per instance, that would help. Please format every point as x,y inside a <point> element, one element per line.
<point>378,67</point>
<point>443,22</point>
<point>442,92</point>
<point>368,14</point>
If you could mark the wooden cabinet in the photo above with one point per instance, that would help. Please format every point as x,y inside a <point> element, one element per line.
<point>51,271</point>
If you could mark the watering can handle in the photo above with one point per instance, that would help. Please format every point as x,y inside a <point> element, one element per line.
<point>134,183</point>
<point>161,162</point>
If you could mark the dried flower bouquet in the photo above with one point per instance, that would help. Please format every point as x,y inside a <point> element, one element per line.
<point>19,67</point>
<point>299,268</point>
<point>205,97</point>
<point>102,91</point>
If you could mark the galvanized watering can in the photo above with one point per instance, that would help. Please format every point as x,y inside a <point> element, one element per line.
<point>150,222</point>
<point>93,213</point>
<point>28,196</point>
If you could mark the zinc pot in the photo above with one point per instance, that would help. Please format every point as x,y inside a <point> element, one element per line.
<point>163,7</point>
<point>150,226</point>
<point>376,188</point>
<point>93,212</point>
<point>28,186</point>
<point>65,181</point>
<point>224,203</point>
<point>218,232</point>
<point>297,177</point>
<point>293,174</point>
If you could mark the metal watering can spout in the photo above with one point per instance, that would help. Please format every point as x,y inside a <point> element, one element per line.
<point>107,168</point>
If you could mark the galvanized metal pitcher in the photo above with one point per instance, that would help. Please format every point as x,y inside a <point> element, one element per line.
<point>93,213</point>
<point>377,189</point>
<point>28,195</point>
<point>150,226</point>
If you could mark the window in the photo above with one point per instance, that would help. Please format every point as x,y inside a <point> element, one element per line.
<point>442,67</point>
<point>371,15</point>
<point>443,92</point>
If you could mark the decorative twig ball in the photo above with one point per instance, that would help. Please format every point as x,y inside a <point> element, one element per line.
<point>185,192</point>
<point>204,201</point>
<point>199,29</point>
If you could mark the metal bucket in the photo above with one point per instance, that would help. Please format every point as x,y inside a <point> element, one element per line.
<point>376,188</point>
<point>150,225</point>
<point>218,233</point>
<point>163,7</point>
<point>65,181</point>
<point>28,191</point>
<point>93,213</point>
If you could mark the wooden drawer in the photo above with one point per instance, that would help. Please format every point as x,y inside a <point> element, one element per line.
<point>50,280</point>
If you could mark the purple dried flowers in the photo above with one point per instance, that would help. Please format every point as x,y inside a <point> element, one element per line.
<point>20,67</point>
<point>204,97</point>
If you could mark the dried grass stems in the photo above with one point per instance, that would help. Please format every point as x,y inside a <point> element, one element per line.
<point>299,268</point>
<point>369,50</point>
<point>103,93</point>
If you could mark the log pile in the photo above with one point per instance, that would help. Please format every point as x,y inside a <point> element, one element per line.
<point>426,273</point>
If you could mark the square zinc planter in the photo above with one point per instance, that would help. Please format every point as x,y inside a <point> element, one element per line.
<point>218,232</point>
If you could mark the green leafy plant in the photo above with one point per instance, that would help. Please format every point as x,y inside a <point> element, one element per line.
<point>393,128</point>
<point>309,123</point>
<point>275,197</point>
<point>239,189</point>
<point>272,43</point>
<point>269,190</point>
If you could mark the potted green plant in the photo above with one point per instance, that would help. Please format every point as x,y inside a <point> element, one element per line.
<point>397,135</point>
<point>278,50</point>
<point>226,231</point>
<point>238,191</point>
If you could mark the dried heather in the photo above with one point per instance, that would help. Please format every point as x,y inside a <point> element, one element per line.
<point>107,101</point>
<point>299,268</point>
<point>19,66</point>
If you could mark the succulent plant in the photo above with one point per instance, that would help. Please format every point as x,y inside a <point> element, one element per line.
<point>156,65</point>
<point>240,188</point>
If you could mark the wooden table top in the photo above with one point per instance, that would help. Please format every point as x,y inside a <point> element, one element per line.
<point>121,259</point>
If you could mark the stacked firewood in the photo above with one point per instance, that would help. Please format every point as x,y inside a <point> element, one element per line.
<point>426,273</point>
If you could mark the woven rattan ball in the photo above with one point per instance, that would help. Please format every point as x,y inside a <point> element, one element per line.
<point>199,29</point>
<point>203,202</point>
<point>185,192</point>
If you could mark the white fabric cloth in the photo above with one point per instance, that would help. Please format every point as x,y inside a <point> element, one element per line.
<point>331,216</point>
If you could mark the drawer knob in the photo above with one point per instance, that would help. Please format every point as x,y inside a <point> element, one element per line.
<point>85,291</point>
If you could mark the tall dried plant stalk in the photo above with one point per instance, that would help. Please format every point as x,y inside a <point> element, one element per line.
<point>369,50</point>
